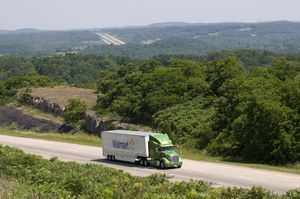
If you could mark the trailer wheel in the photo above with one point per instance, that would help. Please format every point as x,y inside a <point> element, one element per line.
<point>161,165</point>
<point>141,162</point>
<point>145,162</point>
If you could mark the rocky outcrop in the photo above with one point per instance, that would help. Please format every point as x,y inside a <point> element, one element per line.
<point>45,105</point>
<point>96,125</point>
<point>10,115</point>
<point>93,123</point>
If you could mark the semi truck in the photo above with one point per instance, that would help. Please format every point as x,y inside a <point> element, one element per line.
<point>145,148</point>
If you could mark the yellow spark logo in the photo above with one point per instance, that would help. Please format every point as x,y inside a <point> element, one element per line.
<point>131,145</point>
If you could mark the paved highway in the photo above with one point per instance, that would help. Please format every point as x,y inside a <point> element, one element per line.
<point>218,174</point>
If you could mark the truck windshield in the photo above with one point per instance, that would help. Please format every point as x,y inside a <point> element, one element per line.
<point>167,148</point>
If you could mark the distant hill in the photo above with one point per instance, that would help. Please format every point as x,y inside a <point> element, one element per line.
<point>168,24</point>
<point>155,39</point>
<point>21,31</point>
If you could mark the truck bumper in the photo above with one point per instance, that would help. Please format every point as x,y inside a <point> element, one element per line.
<point>173,164</point>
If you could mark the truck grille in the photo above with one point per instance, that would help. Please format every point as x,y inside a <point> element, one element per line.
<point>174,158</point>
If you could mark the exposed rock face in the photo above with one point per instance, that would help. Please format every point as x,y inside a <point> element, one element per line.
<point>93,125</point>
<point>96,125</point>
<point>45,105</point>
<point>11,116</point>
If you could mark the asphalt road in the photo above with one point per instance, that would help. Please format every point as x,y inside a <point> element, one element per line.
<point>218,174</point>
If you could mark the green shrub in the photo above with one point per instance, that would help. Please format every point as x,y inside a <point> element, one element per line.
<point>55,179</point>
<point>75,111</point>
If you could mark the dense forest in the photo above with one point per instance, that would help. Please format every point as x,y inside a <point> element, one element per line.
<point>242,104</point>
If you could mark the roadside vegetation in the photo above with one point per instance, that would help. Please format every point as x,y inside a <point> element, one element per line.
<point>53,178</point>
<point>79,137</point>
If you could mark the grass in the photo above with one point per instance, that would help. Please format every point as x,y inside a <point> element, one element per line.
<point>202,156</point>
<point>77,138</point>
<point>12,189</point>
<point>92,140</point>
<point>30,110</point>
<point>62,94</point>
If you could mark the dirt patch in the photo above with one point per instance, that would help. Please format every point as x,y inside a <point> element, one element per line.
<point>61,95</point>
<point>11,116</point>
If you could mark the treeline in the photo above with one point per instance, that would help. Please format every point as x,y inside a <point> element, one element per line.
<point>71,68</point>
<point>77,70</point>
<point>216,106</point>
<point>40,178</point>
<point>246,58</point>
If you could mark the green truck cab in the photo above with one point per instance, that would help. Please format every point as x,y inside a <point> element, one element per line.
<point>162,152</point>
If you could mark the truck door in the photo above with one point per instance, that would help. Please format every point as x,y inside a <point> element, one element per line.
<point>154,150</point>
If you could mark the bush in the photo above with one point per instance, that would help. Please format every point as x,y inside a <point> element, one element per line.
<point>75,111</point>
<point>31,80</point>
<point>56,179</point>
<point>189,123</point>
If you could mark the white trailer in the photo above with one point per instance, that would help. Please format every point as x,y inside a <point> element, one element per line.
<point>129,146</point>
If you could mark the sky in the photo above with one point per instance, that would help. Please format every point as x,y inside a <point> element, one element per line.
<point>74,14</point>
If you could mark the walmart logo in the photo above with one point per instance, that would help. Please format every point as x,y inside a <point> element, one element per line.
<point>129,145</point>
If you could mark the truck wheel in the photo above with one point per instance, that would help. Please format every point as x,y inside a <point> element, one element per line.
<point>161,165</point>
<point>145,162</point>
<point>141,162</point>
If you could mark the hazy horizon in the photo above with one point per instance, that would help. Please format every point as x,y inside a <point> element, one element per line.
<point>141,25</point>
<point>67,14</point>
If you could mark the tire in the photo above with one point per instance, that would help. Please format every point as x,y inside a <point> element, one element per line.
<point>161,165</point>
<point>145,162</point>
<point>141,162</point>
<point>107,157</point>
